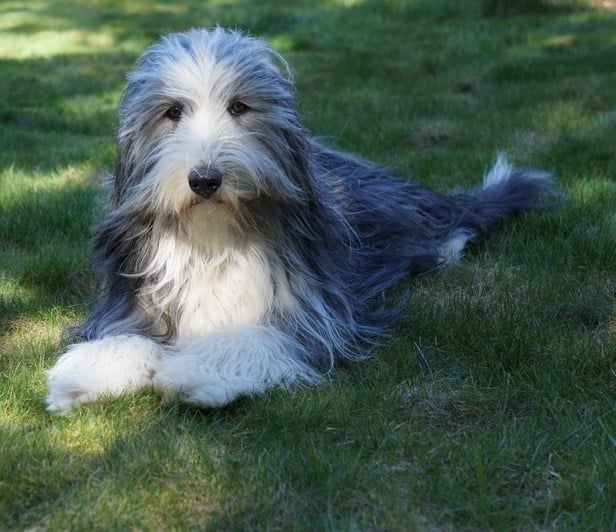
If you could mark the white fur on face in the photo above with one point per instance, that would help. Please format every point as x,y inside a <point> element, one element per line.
<point>206,134</point>
<point>205,83</point>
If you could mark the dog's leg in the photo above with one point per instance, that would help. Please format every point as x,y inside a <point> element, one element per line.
<point>228,363</point>
<point>106,367</point>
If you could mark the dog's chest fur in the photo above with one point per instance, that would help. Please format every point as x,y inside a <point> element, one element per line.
<point>211,276</point>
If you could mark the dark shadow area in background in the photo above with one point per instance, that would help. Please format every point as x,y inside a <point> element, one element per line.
<point>518,8</point>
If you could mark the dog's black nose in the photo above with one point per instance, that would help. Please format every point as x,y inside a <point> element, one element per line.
<point>204,180</point>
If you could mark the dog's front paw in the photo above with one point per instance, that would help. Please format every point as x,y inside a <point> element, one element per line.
<point>190,380</point>
<point>106,367</point>
<point>64,395</point>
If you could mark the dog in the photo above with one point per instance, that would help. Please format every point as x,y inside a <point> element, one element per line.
<point>239,254</point>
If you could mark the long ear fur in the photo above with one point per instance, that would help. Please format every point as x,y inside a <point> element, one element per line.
<point>122,245</point>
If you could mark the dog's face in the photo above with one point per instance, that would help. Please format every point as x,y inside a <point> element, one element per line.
<point>208,116</point>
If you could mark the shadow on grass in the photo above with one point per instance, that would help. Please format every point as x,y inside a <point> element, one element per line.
<point>241,465</point>
<point>59,111</point>
<point>504,8</point>
<point>44,251</point>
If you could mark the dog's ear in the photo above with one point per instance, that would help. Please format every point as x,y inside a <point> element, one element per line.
<point>126,167</point>
<point>120,178</point>
<point>126,164</point>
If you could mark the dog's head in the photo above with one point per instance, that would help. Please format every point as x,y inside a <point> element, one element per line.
<point>209,116</point>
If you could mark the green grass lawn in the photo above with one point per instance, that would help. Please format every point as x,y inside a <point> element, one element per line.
<point>494,404</point>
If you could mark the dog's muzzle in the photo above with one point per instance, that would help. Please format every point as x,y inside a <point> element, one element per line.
<point>204,180</point>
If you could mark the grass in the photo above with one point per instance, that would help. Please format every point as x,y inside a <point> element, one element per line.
<point>493,407</point>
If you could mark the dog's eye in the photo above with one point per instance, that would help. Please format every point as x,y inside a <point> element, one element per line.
<point>174,112</point>
<point>237,108</point>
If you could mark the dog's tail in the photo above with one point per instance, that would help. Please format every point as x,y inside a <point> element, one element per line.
<point>505,191</point>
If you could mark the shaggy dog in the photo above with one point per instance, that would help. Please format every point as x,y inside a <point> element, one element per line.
<point>239,254</point>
